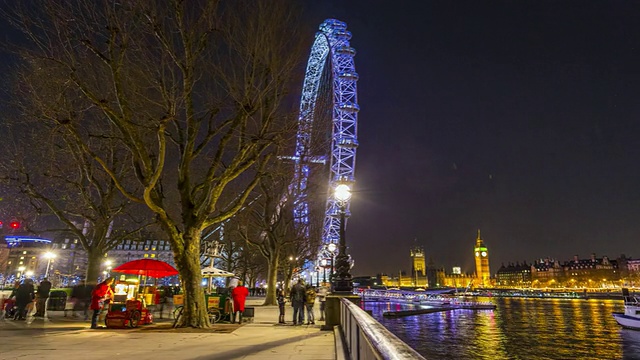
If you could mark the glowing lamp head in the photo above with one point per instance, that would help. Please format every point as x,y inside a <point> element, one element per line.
<point>331,247</point>
<point>14,224</point>
<point>343,192</point>
<point>49,255</point>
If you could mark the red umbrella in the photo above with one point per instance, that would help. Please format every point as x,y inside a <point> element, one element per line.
<point>147,267</point>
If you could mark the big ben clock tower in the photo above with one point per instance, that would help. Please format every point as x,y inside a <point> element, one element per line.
<point>482,262</point>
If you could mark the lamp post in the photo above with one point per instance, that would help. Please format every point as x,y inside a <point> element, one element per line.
<point>332,249</point>
<point>49,256</point>
<point>108,264</point>
<point>342,280</point>
<point>323,262</point>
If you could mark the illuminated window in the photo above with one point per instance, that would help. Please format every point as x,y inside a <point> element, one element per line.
<point>9,263</point>
<point>153,255</point>
<point>24,252</point>
<point>21,257</point>
<point>153,248</point>
<point>146,255</point>
<point>75,241</point>
<point>20,263</point>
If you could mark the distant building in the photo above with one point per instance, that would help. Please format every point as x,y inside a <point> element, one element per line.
<point>514,275</point>
<point>418,270</point>
<point>24,256</point>
<point>483,272</point>
<point>591,272</point>
<point>71,261</point>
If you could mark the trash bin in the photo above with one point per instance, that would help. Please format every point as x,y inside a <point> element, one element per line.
<point>248,312</point>
<point>57,300</point>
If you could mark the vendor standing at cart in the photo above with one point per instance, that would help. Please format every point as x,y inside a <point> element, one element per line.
<point>102,292</point>
<point>239,295</point>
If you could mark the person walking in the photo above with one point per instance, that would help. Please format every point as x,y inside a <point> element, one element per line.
<point>310,301</point>
<point>42,295</point>
<point>281,302</point>
<point>25,294</point>
<point>239,295</point>
<point>101,292</point>
<point>298,297</point>
<point>322,298</point>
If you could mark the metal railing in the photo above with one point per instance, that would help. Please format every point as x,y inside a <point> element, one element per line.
<point>366,338</point>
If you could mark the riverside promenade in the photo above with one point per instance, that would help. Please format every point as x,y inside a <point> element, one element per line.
<point>67,338</point>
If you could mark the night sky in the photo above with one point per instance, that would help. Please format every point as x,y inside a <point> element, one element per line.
<point>520,118</point>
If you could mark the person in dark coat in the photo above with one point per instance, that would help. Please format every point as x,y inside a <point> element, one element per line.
<point>43,294</point>
<point>281,302</point>
<point>298,298</point>
<point>24,296</point>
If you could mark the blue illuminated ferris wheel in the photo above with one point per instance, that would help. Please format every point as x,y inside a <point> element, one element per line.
<point>331,49</point>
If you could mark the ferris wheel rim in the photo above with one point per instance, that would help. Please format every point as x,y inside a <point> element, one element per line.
<point>330,43</point>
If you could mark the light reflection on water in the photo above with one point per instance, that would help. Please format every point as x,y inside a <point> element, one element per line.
<point>517,329</point>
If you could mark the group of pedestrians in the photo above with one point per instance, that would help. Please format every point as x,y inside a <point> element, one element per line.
<point>24,297</point>
<point>303,298</point>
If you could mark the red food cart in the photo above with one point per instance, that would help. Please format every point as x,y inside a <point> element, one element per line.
<point>129,307</point>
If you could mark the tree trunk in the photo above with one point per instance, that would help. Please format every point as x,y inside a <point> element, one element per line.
<point>94,258</point>
<point>272,279</point>
<point>195,311</point>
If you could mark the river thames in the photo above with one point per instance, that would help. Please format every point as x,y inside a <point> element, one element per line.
<point>517,329</point>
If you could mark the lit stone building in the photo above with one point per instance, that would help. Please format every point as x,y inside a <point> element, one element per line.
<point>24,257</point>
<point>483,272</point>
<point>418,271</point>
<point>514,275</point>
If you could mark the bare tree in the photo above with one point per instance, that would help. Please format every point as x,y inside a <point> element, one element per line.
<point>194,91</point>
<point>59,180</point>
<point>271,227</point>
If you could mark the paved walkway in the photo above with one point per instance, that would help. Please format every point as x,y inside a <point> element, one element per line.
<point>68,338</point>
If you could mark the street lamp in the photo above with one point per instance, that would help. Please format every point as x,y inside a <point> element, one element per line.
<point>317,276</point>
<point>107,273</point>
<point>49,256</point>
<point>323,262</point>
<point>342,280</point>
<point>332,249</point>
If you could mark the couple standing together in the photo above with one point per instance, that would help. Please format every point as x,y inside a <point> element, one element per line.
<point>302,297</point>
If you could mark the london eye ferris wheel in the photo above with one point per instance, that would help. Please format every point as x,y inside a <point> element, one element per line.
<point>329,83</point>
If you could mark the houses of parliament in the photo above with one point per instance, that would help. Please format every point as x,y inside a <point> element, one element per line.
<point>429,275</point>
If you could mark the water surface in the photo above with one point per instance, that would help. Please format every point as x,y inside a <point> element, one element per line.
<point>517,329</point>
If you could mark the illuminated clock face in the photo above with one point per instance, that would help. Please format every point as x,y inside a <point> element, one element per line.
<point>484,254</point>
<point>477,253</point>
